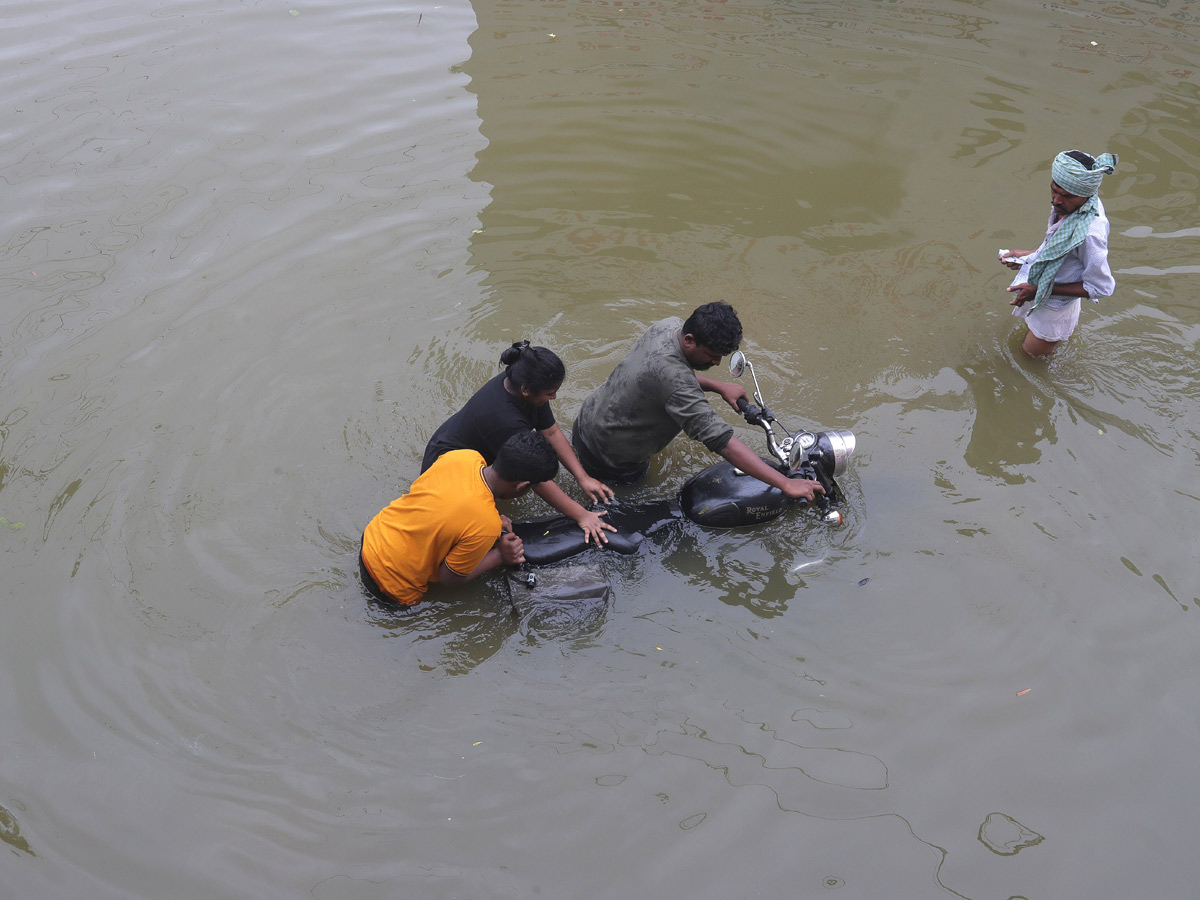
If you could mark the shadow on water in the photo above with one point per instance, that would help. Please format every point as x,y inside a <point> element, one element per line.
<point>1012,413</point>
<point>1017,399</point>
<point>453,636</point>
<point>762,568</point>
<point>454,633</point>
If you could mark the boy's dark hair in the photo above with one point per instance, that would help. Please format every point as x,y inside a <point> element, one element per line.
<point>526,456</point>
<point>535,368</point>
<point>715,326</point>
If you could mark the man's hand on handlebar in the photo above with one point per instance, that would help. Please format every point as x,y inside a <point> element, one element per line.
<point>730,392</point>
<point>802,489</point>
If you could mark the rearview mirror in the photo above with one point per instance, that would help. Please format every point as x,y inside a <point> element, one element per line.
<point>737,363</point>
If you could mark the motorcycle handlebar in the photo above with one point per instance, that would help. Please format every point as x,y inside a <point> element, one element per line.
<point>751,413</point>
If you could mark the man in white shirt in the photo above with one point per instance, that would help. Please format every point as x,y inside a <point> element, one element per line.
<point>1072,261</point>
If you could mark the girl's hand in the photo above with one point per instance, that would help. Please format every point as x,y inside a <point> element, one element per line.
<point>597,490</point>
<point>594,527</point>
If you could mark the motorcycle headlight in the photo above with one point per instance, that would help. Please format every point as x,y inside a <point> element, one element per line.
<point>830,451</point>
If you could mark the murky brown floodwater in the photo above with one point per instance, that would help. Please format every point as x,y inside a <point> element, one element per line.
<point>254,253</point>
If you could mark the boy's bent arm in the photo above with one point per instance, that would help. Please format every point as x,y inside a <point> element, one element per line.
<point>509,550</point>
<point>446,575</point>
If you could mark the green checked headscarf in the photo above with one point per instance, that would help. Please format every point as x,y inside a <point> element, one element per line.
<point>1076,178</point>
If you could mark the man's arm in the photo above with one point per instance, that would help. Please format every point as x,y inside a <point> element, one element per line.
<point>737,453</point>
<point>1010,258</point>
<point>692,409</point>
<point>729,391</point>
<point>1097,278</point>
<point>1026,291</point>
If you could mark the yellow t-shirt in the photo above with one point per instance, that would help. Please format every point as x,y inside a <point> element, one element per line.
<point>449,514</point>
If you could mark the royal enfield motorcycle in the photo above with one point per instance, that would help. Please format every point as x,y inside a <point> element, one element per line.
<point>548,591</point>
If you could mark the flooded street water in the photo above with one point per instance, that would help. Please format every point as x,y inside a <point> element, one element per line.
<point>255,252</point>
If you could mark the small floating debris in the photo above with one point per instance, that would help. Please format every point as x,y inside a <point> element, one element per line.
<point>1005,836</point>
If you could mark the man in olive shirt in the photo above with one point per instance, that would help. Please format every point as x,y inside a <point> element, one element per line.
<point>654,393</point>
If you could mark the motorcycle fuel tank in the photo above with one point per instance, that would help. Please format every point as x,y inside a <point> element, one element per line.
<point>723,497</point>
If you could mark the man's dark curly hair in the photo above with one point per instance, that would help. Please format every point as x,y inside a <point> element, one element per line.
<point>715,326</point>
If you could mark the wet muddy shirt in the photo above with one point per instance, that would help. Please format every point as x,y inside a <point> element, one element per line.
<point>649,398</point>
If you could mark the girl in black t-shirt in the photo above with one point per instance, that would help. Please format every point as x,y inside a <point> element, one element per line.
<point>518,399</point>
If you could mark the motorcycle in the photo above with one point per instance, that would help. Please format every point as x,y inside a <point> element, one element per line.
<point>546,592</point>
<point>723,496</point>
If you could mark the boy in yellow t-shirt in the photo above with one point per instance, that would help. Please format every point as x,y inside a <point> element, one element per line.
<point>446,528</point>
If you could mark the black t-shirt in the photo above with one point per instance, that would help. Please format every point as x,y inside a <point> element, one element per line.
<point>489,419</point>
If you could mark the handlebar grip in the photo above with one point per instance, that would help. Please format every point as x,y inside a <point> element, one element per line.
<point>750,412</point>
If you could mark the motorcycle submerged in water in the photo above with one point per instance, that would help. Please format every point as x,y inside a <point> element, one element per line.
<point>554,591</point>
